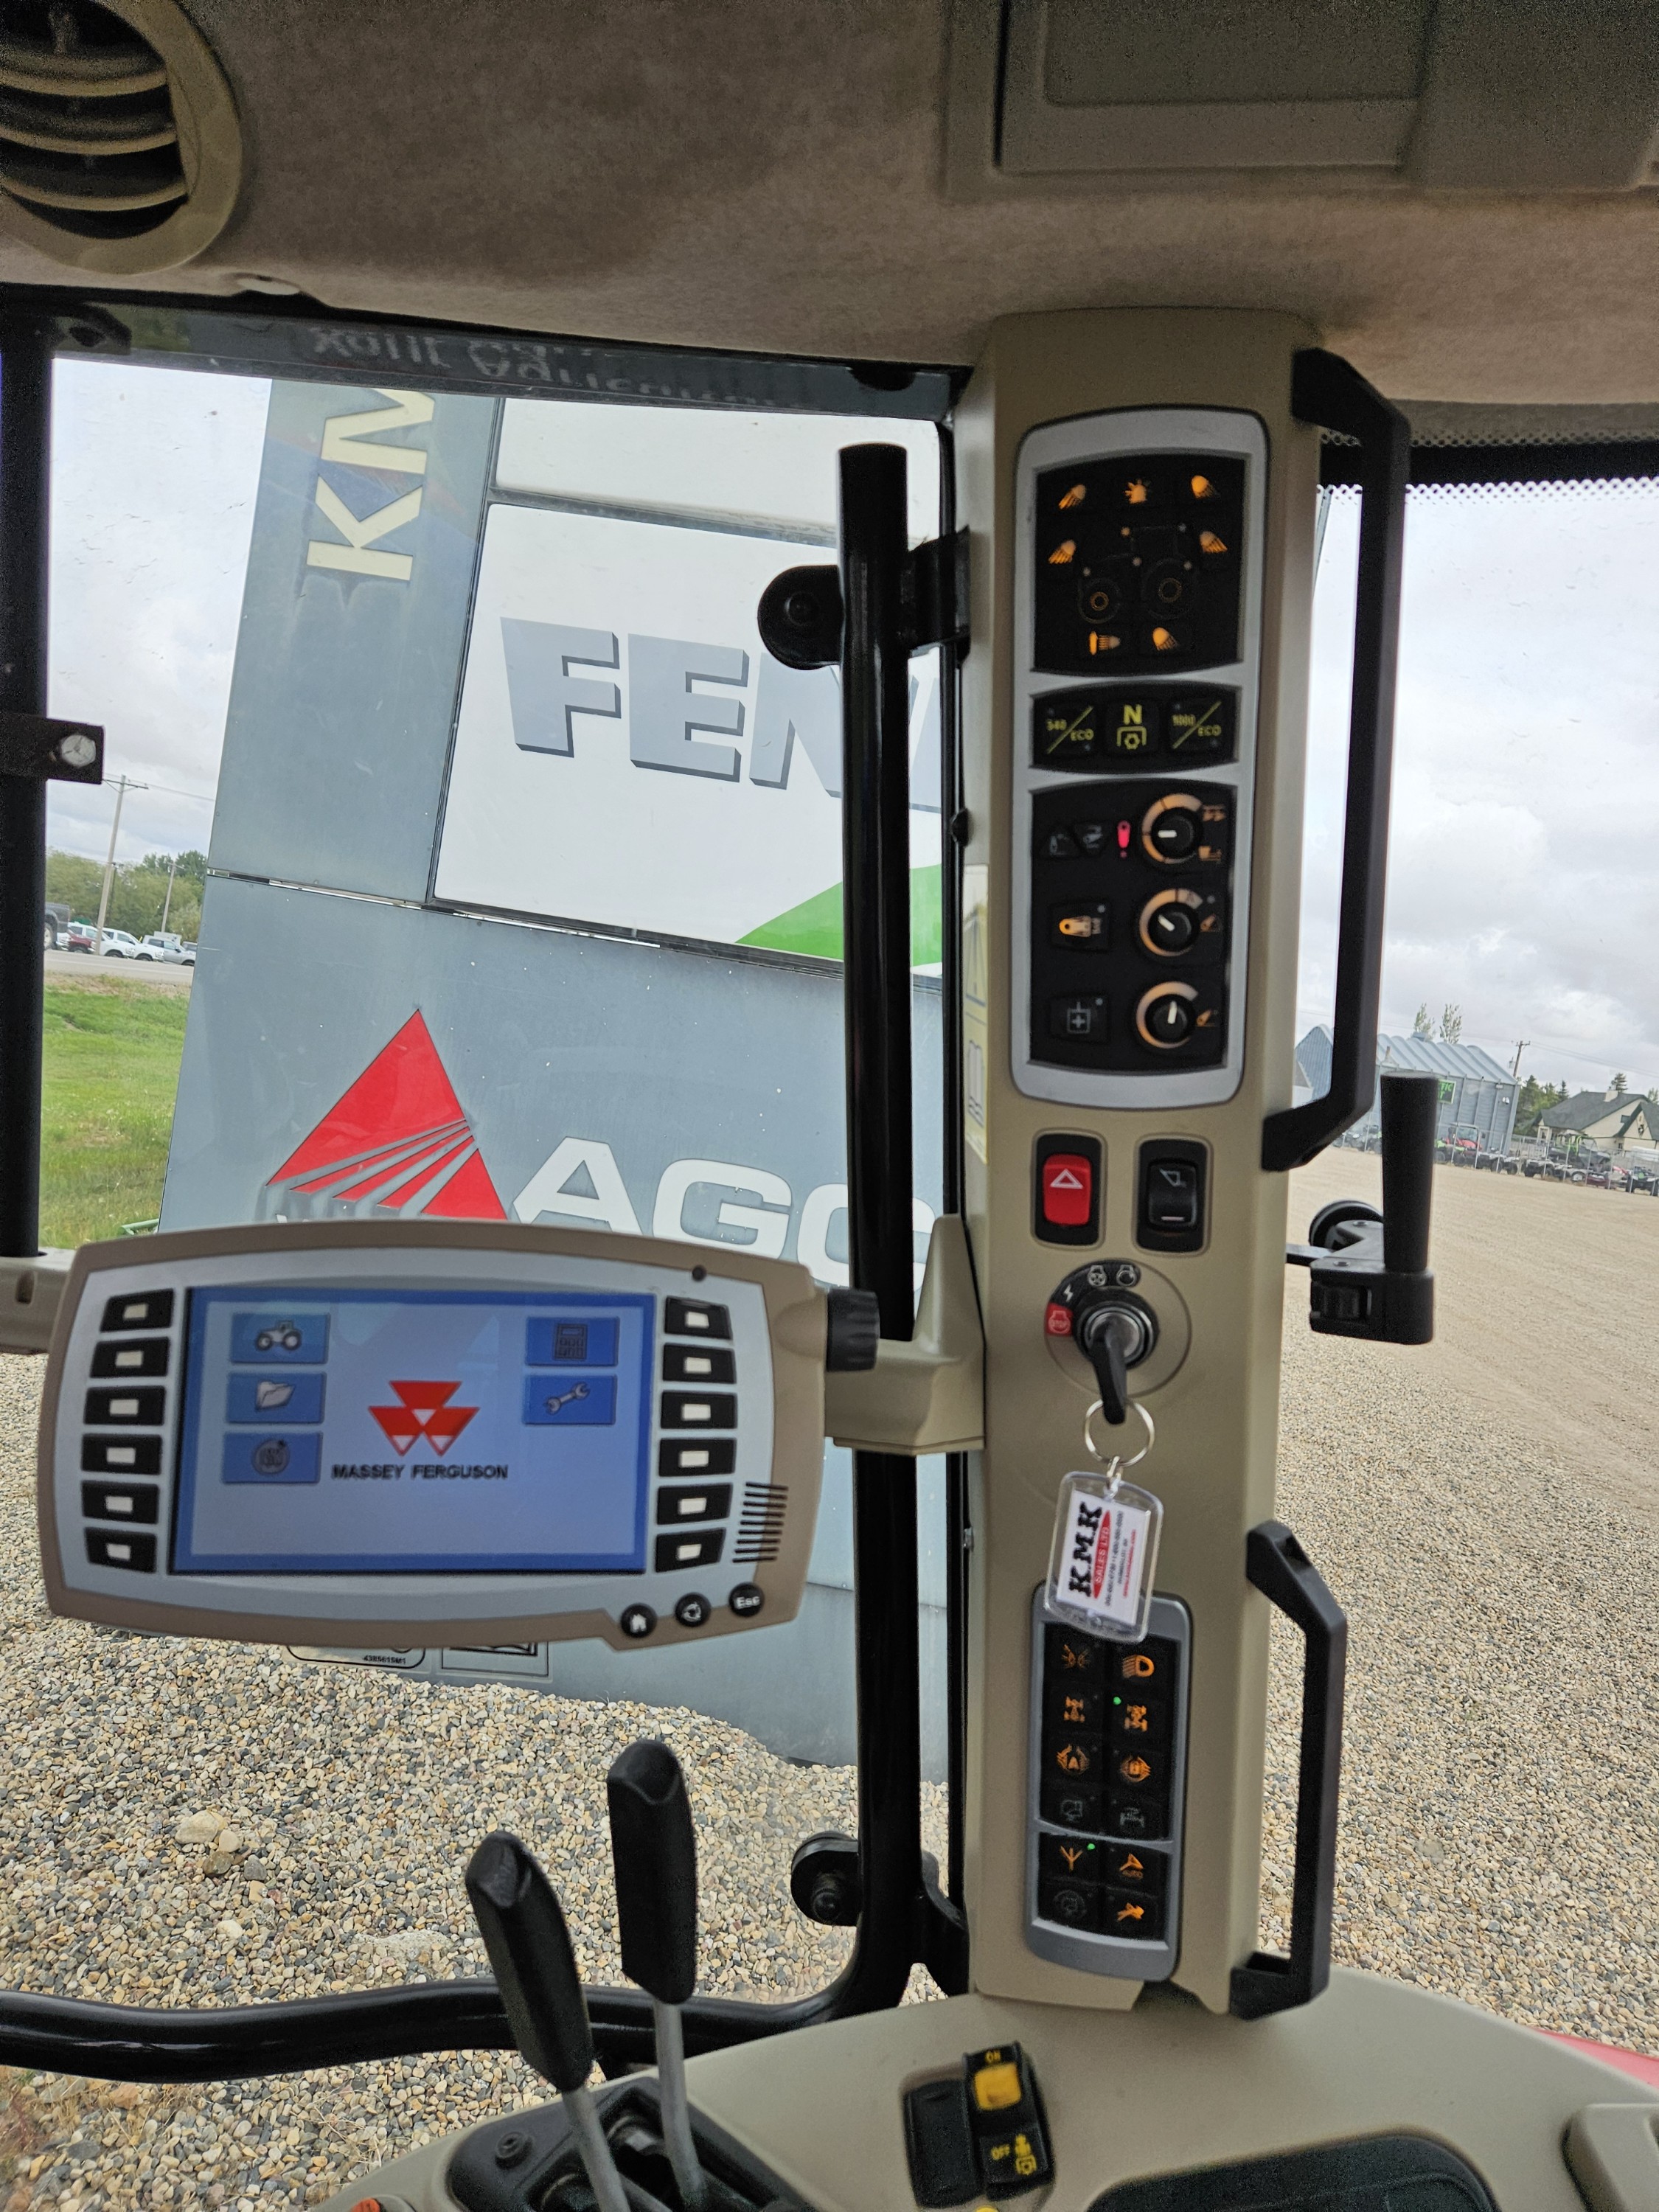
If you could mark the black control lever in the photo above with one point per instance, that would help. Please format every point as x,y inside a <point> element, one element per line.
<point>1370,1272</point>
<point>654,1848</point>
<point>535,1969</point>
<point>1115,1334</point>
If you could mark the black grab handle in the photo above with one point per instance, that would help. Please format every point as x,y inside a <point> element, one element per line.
<point>1325,391</point>
<point>1268,1982</point>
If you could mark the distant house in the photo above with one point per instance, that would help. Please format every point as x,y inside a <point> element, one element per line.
<point>1611,1121</point>
<point>1478,1094</point>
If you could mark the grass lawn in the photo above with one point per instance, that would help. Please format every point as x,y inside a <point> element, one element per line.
<point>112,1069</point>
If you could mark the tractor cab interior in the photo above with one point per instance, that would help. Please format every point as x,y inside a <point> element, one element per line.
<point>728,1199</point>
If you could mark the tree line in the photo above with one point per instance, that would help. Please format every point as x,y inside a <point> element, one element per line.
<point>137,892</point>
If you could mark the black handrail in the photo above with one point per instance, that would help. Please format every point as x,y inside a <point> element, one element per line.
<point>1268,1982</point>
<point>1325,391</point>
<point>875,685</point>
<point>25,516</point>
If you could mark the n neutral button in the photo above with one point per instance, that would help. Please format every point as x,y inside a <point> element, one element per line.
<point>116,1547</point>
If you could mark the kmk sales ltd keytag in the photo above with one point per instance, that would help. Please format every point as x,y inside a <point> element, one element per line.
<point>1104,1555</point>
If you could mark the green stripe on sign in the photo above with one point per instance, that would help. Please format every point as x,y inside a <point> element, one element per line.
<point>813,928</point>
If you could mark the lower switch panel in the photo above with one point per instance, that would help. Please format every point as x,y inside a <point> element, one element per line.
<point>979,2133</point>
<point>1107,1788</point>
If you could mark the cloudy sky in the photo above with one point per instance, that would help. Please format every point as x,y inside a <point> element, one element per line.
<point>1521,887</point>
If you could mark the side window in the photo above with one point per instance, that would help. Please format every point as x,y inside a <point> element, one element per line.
<point>505,870</point>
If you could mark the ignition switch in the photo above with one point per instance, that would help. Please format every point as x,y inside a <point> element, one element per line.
<point>1113,1327</point>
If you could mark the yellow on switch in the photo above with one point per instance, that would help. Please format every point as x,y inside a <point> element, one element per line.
<point>996,2088</point>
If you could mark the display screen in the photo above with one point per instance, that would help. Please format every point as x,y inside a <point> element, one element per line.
<point>415,1431</point>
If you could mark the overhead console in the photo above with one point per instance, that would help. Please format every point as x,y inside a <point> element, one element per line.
<point>349,1432</point>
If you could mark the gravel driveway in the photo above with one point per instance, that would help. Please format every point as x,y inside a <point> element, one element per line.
<point>1488,1508</point>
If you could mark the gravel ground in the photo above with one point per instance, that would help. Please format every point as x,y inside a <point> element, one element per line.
<point>1485,1509</point>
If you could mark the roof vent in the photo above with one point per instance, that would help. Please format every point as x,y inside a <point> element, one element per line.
<point>120,147</point>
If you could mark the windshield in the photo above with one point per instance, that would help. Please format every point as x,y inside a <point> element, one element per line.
<point>473,860</point>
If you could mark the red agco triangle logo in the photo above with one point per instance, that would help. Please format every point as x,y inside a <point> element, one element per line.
<point>396,1142</point>
<point>423,1410</point>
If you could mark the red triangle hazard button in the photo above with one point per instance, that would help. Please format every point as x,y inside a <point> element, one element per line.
<point>1066,1192</point>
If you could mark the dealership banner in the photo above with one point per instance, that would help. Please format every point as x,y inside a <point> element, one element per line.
<point>525,890</point>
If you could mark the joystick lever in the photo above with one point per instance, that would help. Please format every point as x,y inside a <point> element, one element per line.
<point>1370,1272</point>
<point>535,1969</point>
<point>654,1852</point>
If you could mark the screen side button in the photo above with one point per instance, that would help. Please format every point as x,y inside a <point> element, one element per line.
<point>682,1457</point>
<point>696,1317</point>
<point>703,1501</point>
<point>142,1355</point>
<point>695,1363</point>
<point>122,1407</point>
<point>121,1454</point>
<point>116,1547</point>
<point>138,1309</point>
<point>137,1504</point>
<point>676,1551</point>
<point>699,1409</point>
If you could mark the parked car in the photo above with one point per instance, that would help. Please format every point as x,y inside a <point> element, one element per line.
<point>122,945</point>
<point>57,921</point>
<point>168,945</point>
<point>79,935</point>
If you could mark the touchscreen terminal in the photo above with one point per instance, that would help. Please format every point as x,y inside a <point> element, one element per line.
<point>442,1432</point>
<point>431,1432</point>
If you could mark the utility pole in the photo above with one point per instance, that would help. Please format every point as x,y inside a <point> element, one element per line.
<point>166,903</point>
<point>123,785</point>
<point>1515,1072</point>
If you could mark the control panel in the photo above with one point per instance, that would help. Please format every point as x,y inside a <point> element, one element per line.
<point>277,1433</point>
<point>1108,1768</point>
<point>1138,554</point>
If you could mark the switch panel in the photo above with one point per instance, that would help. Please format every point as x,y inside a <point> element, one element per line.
<point>1107,1772</point>
<point>1154,861</point>
<point>1140,554</point>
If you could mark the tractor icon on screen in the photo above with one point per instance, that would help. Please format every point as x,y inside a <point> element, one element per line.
<point>281,1336</point>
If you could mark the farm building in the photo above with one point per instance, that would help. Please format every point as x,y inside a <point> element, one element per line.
<point>1613,1121</point>
<point>1478,1094</point>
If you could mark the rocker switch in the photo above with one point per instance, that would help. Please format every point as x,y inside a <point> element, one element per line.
<point>1171,1195</point>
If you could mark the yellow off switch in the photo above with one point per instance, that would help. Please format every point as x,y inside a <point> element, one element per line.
<point>997,2086</point>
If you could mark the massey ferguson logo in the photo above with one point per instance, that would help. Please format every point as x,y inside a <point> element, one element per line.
<point>423,1412</point>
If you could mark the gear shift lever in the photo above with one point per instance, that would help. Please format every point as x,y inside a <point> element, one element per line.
<point>655,1855</point>
<point>529,1947</point>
